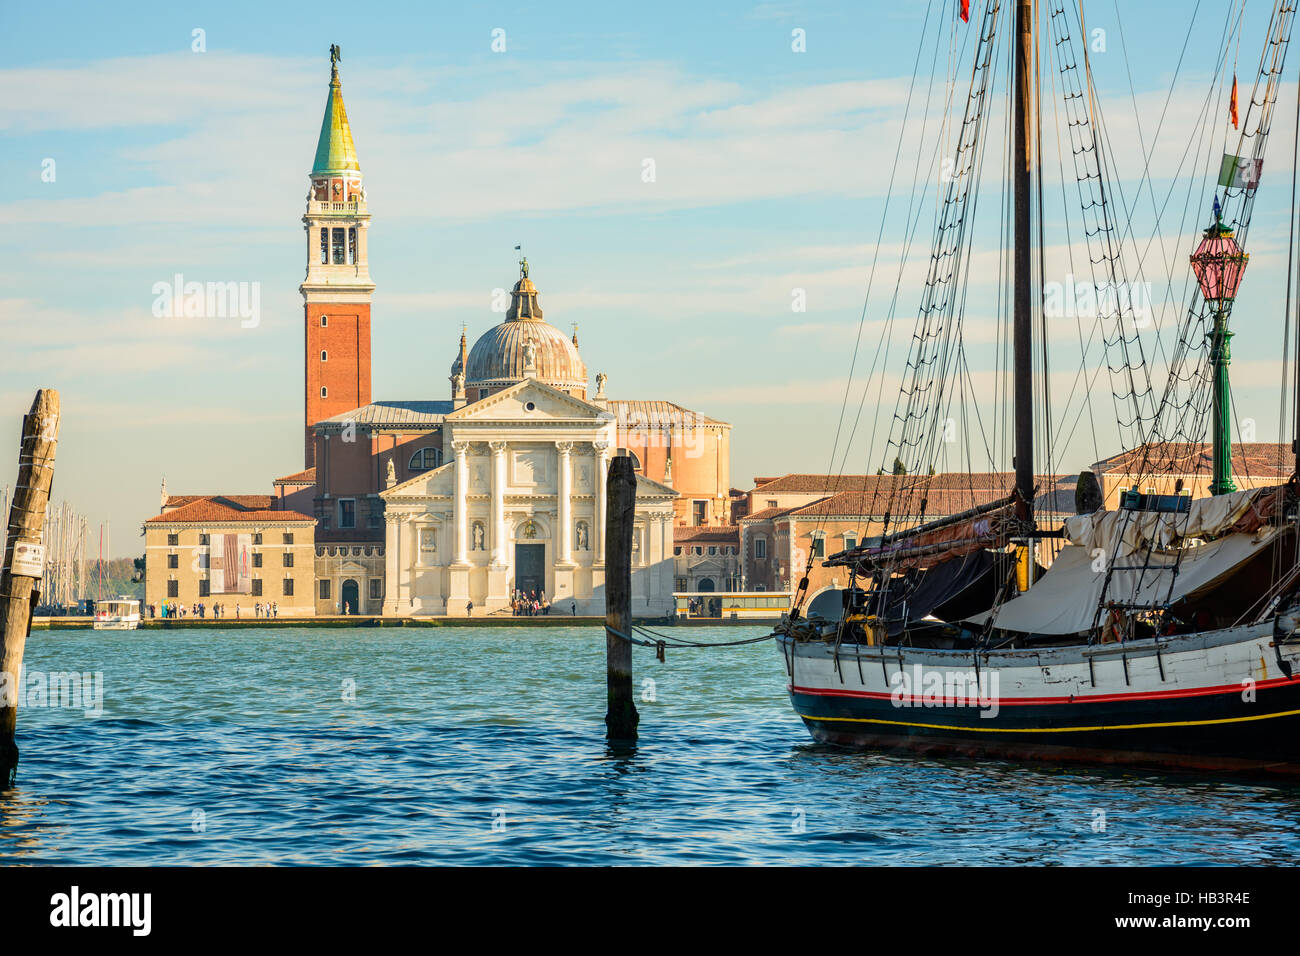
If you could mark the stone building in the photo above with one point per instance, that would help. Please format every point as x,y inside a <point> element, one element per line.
<point>233,550</point>
<point>706,558</point>
<point>425,506</point>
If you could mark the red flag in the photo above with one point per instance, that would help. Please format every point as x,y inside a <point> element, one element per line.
<point>1232,104</point>
<point>965,11</point>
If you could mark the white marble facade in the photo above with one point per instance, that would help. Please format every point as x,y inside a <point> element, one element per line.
<point>520,504</point>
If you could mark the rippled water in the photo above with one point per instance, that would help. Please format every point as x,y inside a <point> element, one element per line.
<point>486,746</point>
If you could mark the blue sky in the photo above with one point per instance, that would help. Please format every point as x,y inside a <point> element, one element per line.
<point>771,171</point>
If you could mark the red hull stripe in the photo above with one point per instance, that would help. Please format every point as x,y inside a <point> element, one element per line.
<point>1073,699</point>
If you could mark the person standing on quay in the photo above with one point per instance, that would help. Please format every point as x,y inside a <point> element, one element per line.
<point>469,609</point>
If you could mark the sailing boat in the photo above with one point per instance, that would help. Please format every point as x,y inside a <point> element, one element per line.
<point>1166,631</point>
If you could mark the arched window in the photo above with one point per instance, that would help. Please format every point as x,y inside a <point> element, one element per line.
<point>425,459</point>
<point>324,356</point>
<point>636,462</point>
<point>324,392</point>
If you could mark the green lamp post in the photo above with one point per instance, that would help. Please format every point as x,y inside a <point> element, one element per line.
<point>1219,265</point>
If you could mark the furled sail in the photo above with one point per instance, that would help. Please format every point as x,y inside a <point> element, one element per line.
<point>1066,598</point>
<point>1127,532</point>
<point>987,526</point>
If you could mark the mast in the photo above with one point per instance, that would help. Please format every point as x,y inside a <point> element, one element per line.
<point>1022,319</point>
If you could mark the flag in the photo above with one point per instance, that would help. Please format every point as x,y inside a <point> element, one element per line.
<point>1238,172</point>
<point>965,11</point>
<point>1232,103</point>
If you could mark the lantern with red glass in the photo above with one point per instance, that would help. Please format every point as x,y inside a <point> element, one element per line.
<point>1219,264</point>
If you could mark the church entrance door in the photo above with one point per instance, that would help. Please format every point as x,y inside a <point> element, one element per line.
<point>348,596</point>
<point>530,569</point>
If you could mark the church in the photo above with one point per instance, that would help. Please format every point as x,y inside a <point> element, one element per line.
<point>456,505</point>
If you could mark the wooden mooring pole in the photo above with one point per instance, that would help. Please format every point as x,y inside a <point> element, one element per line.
<point>24,562</point>
<point>620,512</point>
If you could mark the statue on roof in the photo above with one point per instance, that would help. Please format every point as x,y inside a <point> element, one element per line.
<point>523,267</point>
<point>335,55</point>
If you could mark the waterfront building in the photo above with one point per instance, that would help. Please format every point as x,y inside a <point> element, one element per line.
<point>429,506</point>
<point>794,516</point>
<point>706,558</point>
<point>232,550</point>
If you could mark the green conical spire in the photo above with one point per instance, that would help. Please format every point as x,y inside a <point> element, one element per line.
<point>334,151</point>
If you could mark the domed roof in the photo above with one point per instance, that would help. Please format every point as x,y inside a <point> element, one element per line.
<point>501,355</point>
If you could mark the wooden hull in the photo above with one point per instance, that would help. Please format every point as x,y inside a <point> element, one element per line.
<point>1216,701</point>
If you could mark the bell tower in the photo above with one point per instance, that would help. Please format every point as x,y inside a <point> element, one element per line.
<point>336,292</point>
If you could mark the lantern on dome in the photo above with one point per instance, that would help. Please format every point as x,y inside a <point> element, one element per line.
<point>1219,264</point>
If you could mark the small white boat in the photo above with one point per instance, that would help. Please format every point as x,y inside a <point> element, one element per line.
<point>117,614</point>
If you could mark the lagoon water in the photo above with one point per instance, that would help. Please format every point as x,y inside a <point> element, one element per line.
<point>486,746</point>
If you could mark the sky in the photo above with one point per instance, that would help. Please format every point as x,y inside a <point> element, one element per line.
<point>773,130</point>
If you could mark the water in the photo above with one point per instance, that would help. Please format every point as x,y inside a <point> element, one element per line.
<point>486,746</point>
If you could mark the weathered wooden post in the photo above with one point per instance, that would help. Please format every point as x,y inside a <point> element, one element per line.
<point>620,512</point>
<point>24,562</point>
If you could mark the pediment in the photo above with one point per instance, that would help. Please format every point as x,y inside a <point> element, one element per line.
<point>704,565</point>
<point>439,481</point>
<point>649,488</point>
<point>511,404</point>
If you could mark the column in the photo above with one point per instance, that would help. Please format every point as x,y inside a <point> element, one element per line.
<point>600,461</point>
<point>461,506</point>
<point>408,552</point>
<point>564,503</point>
<point>390,565</point>
<point>498,449</point>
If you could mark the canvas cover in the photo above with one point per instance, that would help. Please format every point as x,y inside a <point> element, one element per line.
<point>1065,599</point>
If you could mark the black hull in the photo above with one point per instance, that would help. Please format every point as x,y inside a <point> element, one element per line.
<point>1216,732</point>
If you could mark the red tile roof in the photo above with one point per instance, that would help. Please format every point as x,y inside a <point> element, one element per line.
<point>837,484</point>
<point>307,477</point>
<point>767,514</point>
<point>1261,459</point>
<point>211,509</point>
<point>722,534</point>
<point>810,484</point>
<point>238,501</point>
<point>656,413</point>
<point>940,495</point>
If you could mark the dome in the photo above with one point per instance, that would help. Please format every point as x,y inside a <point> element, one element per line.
<point>500,356</point>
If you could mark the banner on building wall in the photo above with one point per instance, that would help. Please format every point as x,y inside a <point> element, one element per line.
<point>230,564</point>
